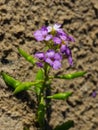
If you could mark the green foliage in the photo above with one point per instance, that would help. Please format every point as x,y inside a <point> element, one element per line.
<point>28,57</point>
<point>71,76</point>
<point>60,96</point>
<point>39,76</point>
<point>17,85</point>
<point>65,126</point>
<point>10,80</point>
<point>41,112</point>
<point>23,86</point>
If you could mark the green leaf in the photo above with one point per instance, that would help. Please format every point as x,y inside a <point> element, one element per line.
<point>41,112</point>
<point>17,85</point>
<point>39,76</point>
<point>10,80</point>
<point>65,126</point>
<point>71,76</point>
<point>60,96</point>
<point>28,57</point>
<point>25,86</point>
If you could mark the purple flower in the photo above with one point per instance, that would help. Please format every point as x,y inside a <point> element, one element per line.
<point>50,57</point>
<point>64,36</point>
<point>38,35</point>
<point>39,64</point>
<point>56,64</point>
<point>94,94</point>
<point>50,53</point>
<point>44,31</point>
<point>56,40</point>
<point>65,50</point>
<point>70,60</point>
<point>53,59</point>
<point>40,55</point>
<point>71,39</point>
<point>55,27</point>
<point>42,34</point>
<point>61,32</point>
<point>48,37</point>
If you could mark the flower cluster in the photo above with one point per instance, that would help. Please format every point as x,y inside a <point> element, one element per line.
<point>55,38</point>
<point>51,57</point>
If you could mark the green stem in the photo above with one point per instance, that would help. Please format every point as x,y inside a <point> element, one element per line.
<point>42,106</point>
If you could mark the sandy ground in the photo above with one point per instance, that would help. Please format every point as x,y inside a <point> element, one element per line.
<point>18,20</point>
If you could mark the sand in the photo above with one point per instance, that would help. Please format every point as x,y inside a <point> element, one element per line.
<point>18,20</point>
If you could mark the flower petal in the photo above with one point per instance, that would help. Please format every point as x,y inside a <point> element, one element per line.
<point>39,64</point>
<point>40,55</point>
<point>56,40</point>
<point>70,38</point>
<point>44,31</point>
<point>56,27</point>
<point>70,60</point>
<point>49,61</point>
<point>58,56</point>
<point>38,35</point>
<point>56,64</point>
<point>50,54</point>
<point>48,37</point>
<point>49,28</point>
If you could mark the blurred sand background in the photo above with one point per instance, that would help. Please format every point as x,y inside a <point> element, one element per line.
<point>18,20</point>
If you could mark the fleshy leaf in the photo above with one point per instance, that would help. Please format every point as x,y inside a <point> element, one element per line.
<point>60,96</point>
<point>71,76</point>
<point>39,76</point>
<point>41,112</point>
<point>65,126</point>
<point>25,86</point>
<point>28,57</point>
<point>10,80</point>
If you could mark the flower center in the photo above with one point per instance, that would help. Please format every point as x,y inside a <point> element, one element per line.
<point>53,32</point>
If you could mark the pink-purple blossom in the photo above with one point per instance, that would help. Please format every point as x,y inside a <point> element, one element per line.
<point>94,94</point>
<point>40,55</point>
<point>42,34</point>
<point>54,32</point>
<point>56,39</point>
<point>51,57</point>
<point>65,50</point>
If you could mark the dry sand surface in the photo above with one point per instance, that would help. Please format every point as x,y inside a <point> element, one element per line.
<point>18,20</point>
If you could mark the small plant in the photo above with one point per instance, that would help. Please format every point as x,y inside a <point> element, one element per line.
<point>56,49</point>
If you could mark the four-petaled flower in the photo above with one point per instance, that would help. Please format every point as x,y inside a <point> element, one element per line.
<point>42,34</point>
<point>53,59</point>
<point>55,27</point>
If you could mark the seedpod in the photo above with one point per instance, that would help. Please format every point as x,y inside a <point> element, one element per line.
<point>28,57</point>
<point>60,96</point>
<point>10,80</point>
<point>71,76</point>
<point>25,86</point>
